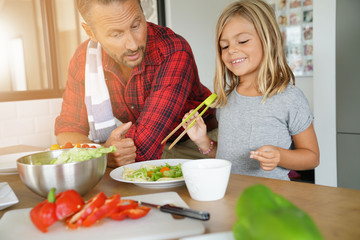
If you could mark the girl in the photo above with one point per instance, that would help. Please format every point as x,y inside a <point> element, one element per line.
<point>260,111</point>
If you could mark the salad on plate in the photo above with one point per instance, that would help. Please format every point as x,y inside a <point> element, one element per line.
<point>152,173</point>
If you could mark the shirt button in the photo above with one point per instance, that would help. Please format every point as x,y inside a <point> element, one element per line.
<point>132,107</point>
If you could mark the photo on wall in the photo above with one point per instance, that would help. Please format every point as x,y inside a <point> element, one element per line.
<point>295,19</point>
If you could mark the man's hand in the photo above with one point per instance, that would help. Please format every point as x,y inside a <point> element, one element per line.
<point>126,150</point>
<point>268,157</point>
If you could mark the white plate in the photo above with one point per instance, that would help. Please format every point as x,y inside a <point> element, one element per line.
<point>7,196</point>
<point>117,173</point>
<point>212,236</point>
<point>8,162</point>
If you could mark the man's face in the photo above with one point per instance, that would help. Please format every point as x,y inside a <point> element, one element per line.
<point>121,30</point>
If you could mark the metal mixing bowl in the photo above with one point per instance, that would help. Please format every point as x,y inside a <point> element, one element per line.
<point>80,176</point>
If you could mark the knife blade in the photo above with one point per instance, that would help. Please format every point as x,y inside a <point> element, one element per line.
<point>186,212</point>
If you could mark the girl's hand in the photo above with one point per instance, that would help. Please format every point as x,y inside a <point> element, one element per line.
<point>268,157</point>
<point>198,131</point>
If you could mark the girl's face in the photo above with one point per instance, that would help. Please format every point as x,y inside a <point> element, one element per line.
<point>241,48</point>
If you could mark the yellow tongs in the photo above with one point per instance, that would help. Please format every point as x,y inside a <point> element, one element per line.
<point>208,101</point>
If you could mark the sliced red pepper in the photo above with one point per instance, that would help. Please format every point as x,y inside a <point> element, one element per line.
<point>103,211</point>
<point>118,216</point>
<point>68,203</point>
<point>43,215</point>
<point>138,212</point>
<point>119,212</point>
<point>133,213</point>
<point>125,204</point>
<point>77,219</point>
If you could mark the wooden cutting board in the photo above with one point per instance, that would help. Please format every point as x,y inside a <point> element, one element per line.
<point>16,224</point>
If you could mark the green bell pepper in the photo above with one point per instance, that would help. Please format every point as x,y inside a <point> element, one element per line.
<point>263,214</point>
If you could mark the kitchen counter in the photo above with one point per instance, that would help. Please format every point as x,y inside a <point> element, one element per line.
<point>336,211</point>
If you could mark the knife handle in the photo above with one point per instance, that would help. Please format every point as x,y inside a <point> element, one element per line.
<point>186,212</point>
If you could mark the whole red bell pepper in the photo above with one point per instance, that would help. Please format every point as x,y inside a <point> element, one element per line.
<point>105,210</point>
<point>77,219</point>
<point>43,215</point>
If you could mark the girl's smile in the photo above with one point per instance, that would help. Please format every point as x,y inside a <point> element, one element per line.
<point>238,60</point>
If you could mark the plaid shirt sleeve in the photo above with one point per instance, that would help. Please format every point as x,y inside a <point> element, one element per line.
<point>171,90</point>
<point>73,116</point>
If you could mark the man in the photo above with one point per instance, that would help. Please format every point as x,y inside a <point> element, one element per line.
<point>140,73</point>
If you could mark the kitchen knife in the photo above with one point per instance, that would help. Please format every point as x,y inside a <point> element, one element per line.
<point>186,212</point>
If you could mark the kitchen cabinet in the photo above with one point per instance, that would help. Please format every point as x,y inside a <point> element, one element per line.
<point>348,93</point>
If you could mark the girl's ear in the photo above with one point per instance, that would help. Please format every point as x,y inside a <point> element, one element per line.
<point>88,31</point>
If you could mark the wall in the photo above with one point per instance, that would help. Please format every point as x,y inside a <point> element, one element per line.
<point>28,122</point>
<point>325,89</point>
<point>347,93</point>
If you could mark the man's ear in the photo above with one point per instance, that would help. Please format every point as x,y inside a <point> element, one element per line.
<point>88,31</point>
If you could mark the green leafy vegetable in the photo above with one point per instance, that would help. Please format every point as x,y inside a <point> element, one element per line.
<point>263,214</point>
<point>82,154</point>
<point>153,173</point>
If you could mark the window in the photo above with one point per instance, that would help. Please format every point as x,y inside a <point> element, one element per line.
<point>38,38</point>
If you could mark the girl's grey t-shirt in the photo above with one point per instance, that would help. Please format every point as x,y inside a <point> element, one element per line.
<point>246,124</point>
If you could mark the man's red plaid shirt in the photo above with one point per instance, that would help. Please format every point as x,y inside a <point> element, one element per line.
<point>159,92</point>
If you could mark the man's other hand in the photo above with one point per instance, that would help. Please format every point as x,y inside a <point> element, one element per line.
<point>126,150</point>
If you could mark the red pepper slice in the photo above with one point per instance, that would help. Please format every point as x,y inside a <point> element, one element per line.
<point>133,213</point>
<point>77,219</point>
<point>138,212</point>
<point>103,211</point>
<point>125,204</point>
<point>118,216</point>
<point>68,203</point>
<point>119,212</point>
<point>43,215</point>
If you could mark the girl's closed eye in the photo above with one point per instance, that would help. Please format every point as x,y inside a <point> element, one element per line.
<point>243,42</point>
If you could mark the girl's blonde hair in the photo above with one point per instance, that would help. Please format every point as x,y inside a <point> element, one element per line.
<point>274,74</point>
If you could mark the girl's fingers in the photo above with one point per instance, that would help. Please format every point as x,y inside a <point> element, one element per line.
<point>263,160</point>
<point>265,154</point>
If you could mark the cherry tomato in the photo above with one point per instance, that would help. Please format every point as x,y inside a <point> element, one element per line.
<point>55,147</point>
<point>85,145</point>
<point>68,145</point>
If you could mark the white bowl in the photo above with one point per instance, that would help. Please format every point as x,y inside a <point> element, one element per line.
<point>206,179</point>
